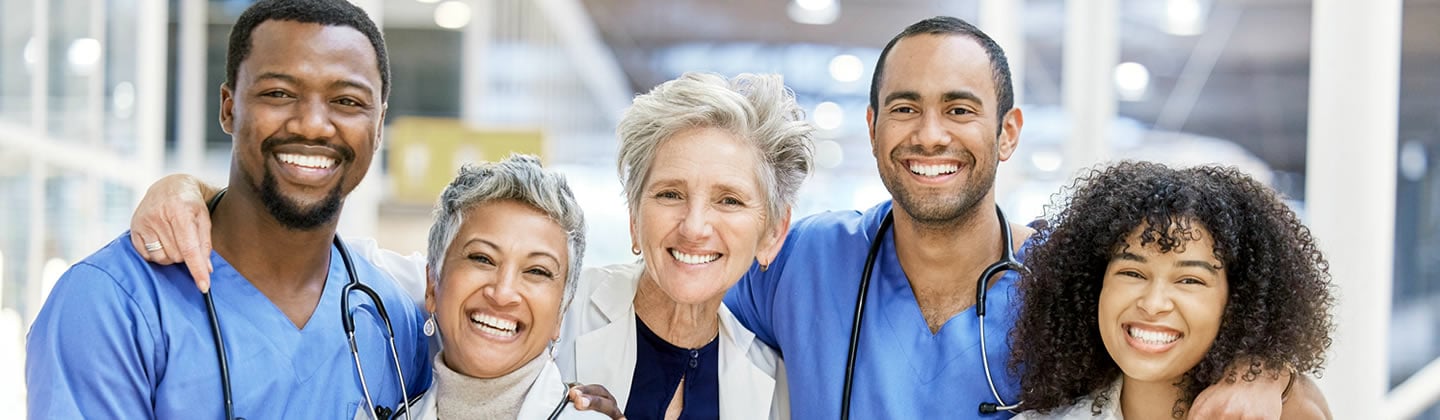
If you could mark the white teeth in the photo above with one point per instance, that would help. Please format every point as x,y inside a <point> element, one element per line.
<point>493,325</point>
<point>1153,337</point>
<point>308,161</point>
<point>933,170</point>
<point>693,259</point>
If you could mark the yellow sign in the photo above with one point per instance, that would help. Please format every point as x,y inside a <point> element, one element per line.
<point>425,153</point>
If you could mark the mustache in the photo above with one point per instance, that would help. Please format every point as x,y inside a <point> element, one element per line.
<point>918,151</point>
<point>346,152</point>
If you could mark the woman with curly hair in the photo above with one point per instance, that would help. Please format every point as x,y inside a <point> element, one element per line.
<point>1152,280</point>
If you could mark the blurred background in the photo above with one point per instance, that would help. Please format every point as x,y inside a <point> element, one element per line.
<point>1326,100</point>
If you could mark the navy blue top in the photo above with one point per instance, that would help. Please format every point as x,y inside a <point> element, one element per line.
<point>659,367</point>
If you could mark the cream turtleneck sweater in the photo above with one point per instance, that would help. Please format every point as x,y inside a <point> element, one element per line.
<point>459,396</point>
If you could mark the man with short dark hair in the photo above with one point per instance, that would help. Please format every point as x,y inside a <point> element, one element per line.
<point>941,120</point>
<point>304,98</point>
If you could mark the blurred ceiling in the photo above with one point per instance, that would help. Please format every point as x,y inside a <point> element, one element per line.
<point>1255,94</point>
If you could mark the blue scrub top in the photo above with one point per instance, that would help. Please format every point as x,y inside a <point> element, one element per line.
<point>804,306</point>
<point>122,338</point>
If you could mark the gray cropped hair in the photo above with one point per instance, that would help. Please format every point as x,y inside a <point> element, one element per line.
<point>519,178</point>
<point>757,108</point>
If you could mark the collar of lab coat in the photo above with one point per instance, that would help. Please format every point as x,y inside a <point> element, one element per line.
<point>606,355</point>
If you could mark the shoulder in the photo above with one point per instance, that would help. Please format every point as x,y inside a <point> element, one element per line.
<point>842,222</point>
<point>618,279</point>
<point>119,266</point>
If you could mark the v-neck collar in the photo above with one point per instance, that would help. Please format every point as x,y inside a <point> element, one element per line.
<point>254,317</point>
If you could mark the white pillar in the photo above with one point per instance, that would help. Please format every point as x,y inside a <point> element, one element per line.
<point>35,246</point>
<point>474,50</point>
<point>39,95</point>
<point>1001,20</point>
<point>1350,189</point>
<point>39,45</point>
<point>151,65</point>
<point>1091,51</point>
<point>191,117</point>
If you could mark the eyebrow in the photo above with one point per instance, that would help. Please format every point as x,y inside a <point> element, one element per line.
<point>961,95</point>
<point>954,95</point>
<point>1212,268</point>
<point>342,83</point>
<point>492,246</point>
<point>278,76</point>
<point>904,94</point>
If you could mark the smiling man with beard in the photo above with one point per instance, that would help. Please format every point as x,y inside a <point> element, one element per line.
<point>304,98</point>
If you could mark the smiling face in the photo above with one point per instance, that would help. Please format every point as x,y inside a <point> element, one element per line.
<point>497,303</point>
<point>305,115</point>
<point>701,219</point>
<point>934,135</point>
<point>1160,312</point>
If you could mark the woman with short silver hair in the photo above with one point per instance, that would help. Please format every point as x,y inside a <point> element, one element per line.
<point>504,256</point>
<point>711,168</point>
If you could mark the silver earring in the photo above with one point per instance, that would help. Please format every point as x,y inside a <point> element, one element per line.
<point>553,345</point>
<point>430,325</point>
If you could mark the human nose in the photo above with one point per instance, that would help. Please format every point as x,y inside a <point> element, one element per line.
<point>697,221</point>
<point>503,290</point>
<point>312,120</point>
<point>932,130</point>
<point>1156,299</point>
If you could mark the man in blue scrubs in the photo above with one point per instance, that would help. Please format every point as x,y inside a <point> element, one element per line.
<point>304,98</point>
<point>941,119</point>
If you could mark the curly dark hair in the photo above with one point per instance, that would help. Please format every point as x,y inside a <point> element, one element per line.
<point>1278,310</point>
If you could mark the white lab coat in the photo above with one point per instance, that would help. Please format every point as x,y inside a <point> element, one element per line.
<point>599,347</point>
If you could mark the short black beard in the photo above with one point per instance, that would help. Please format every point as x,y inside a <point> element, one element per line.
<point>291,215</point>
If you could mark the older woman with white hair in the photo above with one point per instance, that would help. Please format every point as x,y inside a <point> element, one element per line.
<point>711,167</point>
<point>504,256</point>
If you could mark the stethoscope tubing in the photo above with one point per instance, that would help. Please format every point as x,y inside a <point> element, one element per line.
<point>1007,262</point>
<point>347,319</point>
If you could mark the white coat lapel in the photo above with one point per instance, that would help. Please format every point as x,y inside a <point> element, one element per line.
<point>606,355</point>
<point>742,383</point>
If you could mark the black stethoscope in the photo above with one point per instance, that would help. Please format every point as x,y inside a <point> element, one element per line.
<point>347,318</point>
<point>1007,262</point>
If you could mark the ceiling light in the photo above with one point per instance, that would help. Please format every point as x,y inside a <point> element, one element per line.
<point>83,54</point>
<point>813,12</point>
<point>1047,160</point>
<point>1413,163</point>
<point>1131,80</point>
<point>828,154</point>
<point>815,5</point>
<point>452,15</point>
<point>828,115</point>
<point>1184,17</point>
<point>846,68</point>
<point>123,99</point>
